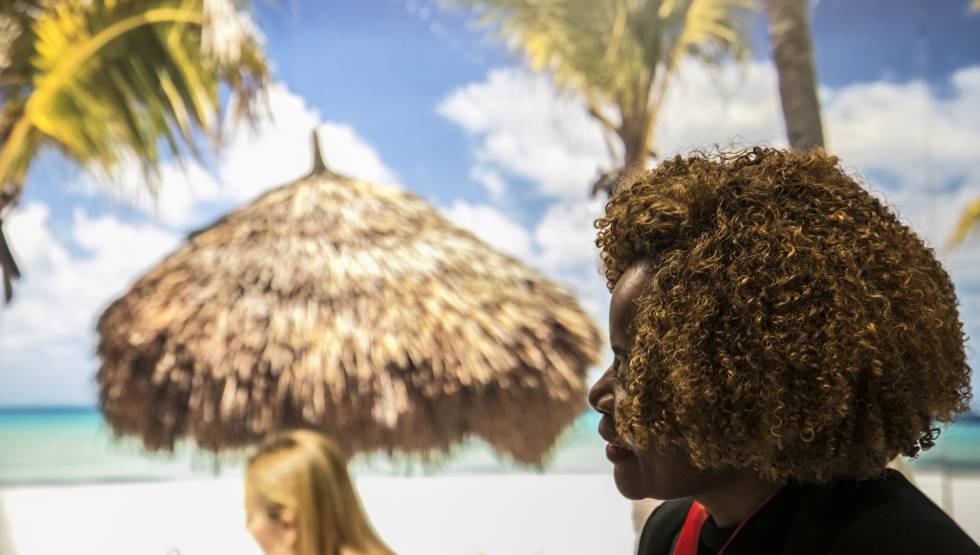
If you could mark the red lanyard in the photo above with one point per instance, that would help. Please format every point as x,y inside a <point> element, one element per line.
<point>687,543</point>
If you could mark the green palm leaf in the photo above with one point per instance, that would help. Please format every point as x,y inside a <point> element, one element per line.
<point>108,80</point>
<point>969,221</point>
<point>111,79</point>
<point>619,53</point>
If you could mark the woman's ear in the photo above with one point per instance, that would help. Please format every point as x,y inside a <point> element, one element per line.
<point>288,523</point>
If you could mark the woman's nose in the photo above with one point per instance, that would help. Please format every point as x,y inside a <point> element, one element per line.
<point>600,396</point>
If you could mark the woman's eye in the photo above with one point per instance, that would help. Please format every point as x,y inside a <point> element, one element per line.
<point>619,370</point>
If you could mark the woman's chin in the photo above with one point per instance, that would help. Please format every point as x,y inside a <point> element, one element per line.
<point>629,483</point>
<point>635,484</point>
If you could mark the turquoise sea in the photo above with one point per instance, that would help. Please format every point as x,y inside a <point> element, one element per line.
<point>73,446</point>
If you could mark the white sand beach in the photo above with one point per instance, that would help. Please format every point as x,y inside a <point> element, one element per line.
<point>506,514</point>
<point>492,514</point>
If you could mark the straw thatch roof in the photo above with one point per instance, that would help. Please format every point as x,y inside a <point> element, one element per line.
<point>351,308</point>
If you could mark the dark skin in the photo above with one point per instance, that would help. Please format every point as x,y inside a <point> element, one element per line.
<point>729,496</point>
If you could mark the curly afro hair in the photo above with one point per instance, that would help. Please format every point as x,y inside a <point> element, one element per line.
<point>790,324</point>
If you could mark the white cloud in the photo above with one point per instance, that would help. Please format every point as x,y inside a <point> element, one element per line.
<point>280,150</point>
<point>707,106</point>
<point>566,234</point>
<point>175,200</point>
<point>565,240</point>
<point>487,223</point>
<point>276,151</point>
<point>526,127</point>
<point>915,147</point>
<point>562,241</point>
<point>490,180</point>
<point>896,128</point>
<point>115,252</point>
<point>561,245</point>
<point>34,247</point>
<point>345,152</point>
<point>529,130</point>
<point>919,147</point>
<point>47,332</point>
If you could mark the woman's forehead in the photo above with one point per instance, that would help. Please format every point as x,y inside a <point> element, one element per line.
<point>622,306</point>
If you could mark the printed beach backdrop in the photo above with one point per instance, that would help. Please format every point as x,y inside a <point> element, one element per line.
<point>412,94</point>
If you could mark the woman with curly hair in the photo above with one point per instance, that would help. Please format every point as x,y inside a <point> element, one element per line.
<point>779,337</point>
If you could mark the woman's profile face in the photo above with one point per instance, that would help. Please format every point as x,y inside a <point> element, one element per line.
<point>276,536</point>
<point>639,473</point>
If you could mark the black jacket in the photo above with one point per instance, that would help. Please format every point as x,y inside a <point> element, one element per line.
<point>887,516</point>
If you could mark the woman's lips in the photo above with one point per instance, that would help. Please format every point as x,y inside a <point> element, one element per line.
<point>614,451</point>
<point>617,454</point>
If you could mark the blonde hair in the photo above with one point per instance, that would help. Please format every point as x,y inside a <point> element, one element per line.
<point>304,474</point>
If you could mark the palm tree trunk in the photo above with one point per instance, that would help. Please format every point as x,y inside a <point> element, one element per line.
<point>8,267</point>
<point>635,134</point>
<point>792,52</point>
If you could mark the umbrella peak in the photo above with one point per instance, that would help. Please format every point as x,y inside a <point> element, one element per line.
<point>319,167</point>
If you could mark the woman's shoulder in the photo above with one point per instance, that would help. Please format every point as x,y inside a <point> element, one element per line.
<point>882,515</point>
<point>662,527</point>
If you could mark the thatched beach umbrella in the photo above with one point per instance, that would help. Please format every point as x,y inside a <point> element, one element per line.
<point>351,308</point>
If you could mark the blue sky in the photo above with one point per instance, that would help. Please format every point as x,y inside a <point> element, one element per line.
<point>409,95</point>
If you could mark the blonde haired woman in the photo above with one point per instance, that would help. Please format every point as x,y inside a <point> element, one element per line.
<point>299,500</point>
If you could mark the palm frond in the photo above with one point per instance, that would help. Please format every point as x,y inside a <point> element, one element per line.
<point>968,223</point>
<point>586,45</point>
<point>108,80</point>
<point>116,79</point>
<point>613,49</point>
<point>709,30</point>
